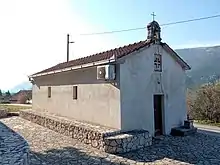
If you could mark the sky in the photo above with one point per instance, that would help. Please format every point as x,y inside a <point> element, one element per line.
<point>33,32</point>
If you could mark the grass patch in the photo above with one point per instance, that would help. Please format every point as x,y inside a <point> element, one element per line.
<point>207,122</point>
<point>13,108</point>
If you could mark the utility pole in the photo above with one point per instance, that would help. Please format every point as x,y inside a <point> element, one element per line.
<point>68,42</point>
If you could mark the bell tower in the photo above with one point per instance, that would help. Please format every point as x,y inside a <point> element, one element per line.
<point>153,29</point>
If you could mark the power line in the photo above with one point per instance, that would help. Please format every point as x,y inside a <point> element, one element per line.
<point>190,20</point>
<point>115,31</point>
<point>141,28</point>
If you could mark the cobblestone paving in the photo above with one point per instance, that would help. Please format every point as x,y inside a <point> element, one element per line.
<point>13,148</point>
<point>51,148</point>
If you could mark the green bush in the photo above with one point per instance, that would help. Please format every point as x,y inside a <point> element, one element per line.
<point>206,105</point>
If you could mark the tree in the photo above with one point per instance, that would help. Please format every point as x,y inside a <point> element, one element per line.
<point>207,103</point>
<point>8,93</point>
<point>0,92</point>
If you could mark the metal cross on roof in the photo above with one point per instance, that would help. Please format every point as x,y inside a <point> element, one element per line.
<point>153,15</point>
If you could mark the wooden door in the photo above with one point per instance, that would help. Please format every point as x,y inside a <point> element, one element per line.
<point>158,123</point>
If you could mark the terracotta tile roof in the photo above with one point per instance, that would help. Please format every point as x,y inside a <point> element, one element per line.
<point>118,52</point>
<point>21,97</point>
<point>21,93</point>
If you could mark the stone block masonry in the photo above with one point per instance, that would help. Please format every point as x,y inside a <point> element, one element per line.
<point>127,141</point>
<point>99,137</point>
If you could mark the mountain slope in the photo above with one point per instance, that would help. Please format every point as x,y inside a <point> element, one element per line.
<point>204,62</point>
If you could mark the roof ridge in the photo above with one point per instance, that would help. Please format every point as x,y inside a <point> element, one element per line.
<point>109,50</point>
<point>118,52</point>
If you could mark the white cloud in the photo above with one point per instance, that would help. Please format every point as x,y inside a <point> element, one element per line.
<point>33,37</point>
<point>195,44</point>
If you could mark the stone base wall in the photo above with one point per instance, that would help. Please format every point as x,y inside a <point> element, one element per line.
<point>87,136</point>
<point>3,113</point>
<point>111,141</point>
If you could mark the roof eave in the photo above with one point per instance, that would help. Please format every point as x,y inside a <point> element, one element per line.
<point>184,64</point>
<point>187,67</point>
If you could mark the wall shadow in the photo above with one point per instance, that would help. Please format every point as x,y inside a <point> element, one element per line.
<point>70,156</point>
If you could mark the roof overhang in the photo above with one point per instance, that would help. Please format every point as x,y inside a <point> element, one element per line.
<point>112,59</point>
<point>182,63</point>
<point>97,63</point>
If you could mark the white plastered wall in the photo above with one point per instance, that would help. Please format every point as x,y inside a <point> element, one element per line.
<point>97,101</point>
<point>137,87</point>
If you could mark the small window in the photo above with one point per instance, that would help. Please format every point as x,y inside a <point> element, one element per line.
<point>157,63</point>
<point>49,92</point>
<point>74,92</point>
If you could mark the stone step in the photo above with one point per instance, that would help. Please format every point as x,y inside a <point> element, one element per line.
<point>182,131</point>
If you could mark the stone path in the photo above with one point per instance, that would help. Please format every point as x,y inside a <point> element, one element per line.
<point>207,129</point>
<point>51,148</point>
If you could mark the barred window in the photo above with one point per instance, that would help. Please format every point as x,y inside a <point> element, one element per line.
<point>49,92</point>
<point>157,62</point>
<point>74,92</point>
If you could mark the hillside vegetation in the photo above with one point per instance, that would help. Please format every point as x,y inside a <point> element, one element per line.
<point>205,106</point>
<point>204,62</point>
<point>203,93</point>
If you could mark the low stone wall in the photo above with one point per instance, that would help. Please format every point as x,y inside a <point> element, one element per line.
<point>81,132</point>
<point>3,113</point>
<point>102,138</point>
<point>14,149</point>
<point>127,141</point>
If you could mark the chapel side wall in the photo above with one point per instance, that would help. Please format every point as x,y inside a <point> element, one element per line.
<point>175,93</point>
<point>137,91</point>
<point>98,101</point>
